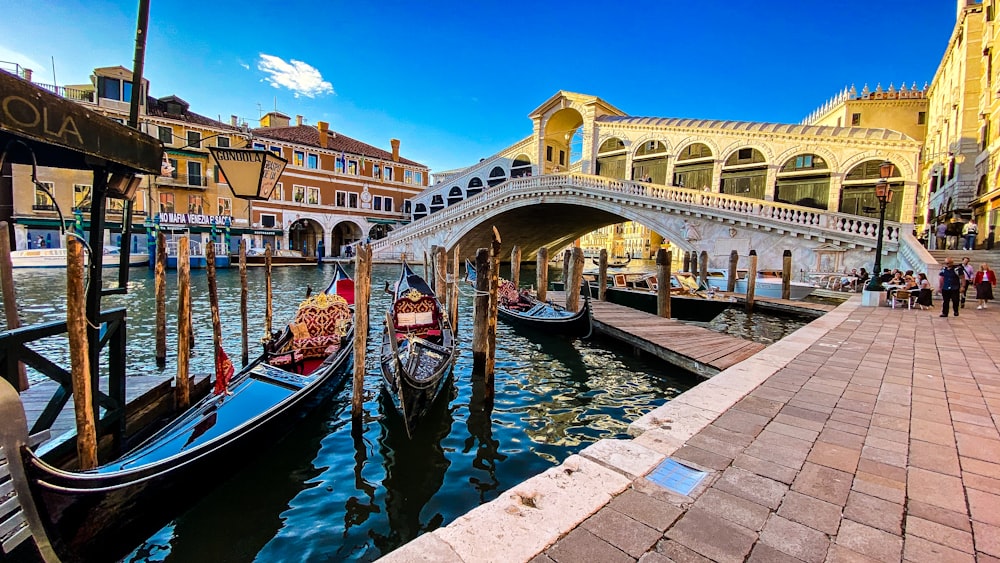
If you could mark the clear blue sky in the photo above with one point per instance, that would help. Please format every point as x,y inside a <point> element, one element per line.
<point>455,80</point>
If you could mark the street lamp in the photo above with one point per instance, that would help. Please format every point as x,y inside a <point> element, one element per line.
<point>884,195</point>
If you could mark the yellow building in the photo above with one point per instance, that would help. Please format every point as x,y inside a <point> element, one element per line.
<point>986,205</point>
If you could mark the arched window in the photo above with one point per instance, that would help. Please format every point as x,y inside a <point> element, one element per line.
<point>804,180</point>
<point>857,196</point>
<point>420,210</point>
<point>611,159</point>
<point>454,195</point>
<point>475,186</point>
<point>694,167</point>
<point>497,176</point>
<point>521,166</point>
<point>650,163</point>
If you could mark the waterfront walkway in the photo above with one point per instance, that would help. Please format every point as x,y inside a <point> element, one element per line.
<point>869,435</point>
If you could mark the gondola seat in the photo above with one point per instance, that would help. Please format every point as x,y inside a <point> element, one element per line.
<point>320,324</point>
<point>416,316</point>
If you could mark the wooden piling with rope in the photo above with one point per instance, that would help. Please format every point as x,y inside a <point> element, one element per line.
<point>491,321</point>
<point>734,260</point>
<point>481,311</point>
<point>268,305</point>
<point>362,295</point>
<point>440,273</point>
<point>663,273</point>
<point>244,324</point>
<point>751,280</point>
<point>183,387</point>
<point>786,274</point>
<point>76,325</point>
<point>10,296</point>
<point>515,266</point>
<point>602,275</point>
<point>703,269</point>
<point>160,287</point>
<point>453,290</point>
<point>213,303</point>
<point>542,273</point>
<point>575,280</point>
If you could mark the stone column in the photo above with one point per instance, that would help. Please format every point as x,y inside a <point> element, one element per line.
<point>833,198</point>
<point>770,182</point>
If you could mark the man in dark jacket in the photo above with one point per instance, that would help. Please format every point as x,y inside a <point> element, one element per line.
<point>950,285</point>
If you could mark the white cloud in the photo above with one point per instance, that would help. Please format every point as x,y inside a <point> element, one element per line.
<point>245,66</point>
<point>297,76</point>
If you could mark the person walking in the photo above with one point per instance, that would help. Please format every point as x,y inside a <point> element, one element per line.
<point>970,273</point>
<point>950,285</point>
<point>941,235</point>
<point>985,281</point>
<point>953,232</point>
<point>969,232</point>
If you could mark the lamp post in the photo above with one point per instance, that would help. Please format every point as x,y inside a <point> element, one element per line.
<point>884,195</point>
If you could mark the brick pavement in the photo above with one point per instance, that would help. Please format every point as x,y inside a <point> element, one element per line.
<point>877,442</point>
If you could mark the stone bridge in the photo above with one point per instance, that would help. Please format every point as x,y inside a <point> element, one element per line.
<point>554,210</point>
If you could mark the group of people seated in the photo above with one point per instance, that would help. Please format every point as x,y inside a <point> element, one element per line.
<point>852,280</point>
<point>899,284</point>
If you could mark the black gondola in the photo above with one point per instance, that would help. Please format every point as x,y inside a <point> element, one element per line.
<point>102,514</point>
<point>522,309</point>
<point>614,265</point>
<point>418,348</point>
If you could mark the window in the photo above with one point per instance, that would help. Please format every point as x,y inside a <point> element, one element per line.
<point>418,178</point>
<point>42,200</point>
<point>165,134</point>
<point>339,165</point>
<point>548,154</point>
<point>387,203</point>
<point>110,88</point>
<point>194,139</point>
<point>276,150</point>
<point>82,196</point>
<point>341,199</point>
<point>217,174</point>
<point>352,167</point>
<point>225,206</point>
<point>855,119</point>
<point>279,192</point>
<point>222,142</point>
<point>166,202</point>
<point>259,147</point>
<point>377,203</point>
<point>173,168</point>
<point>376,171</point>
<point>352,200</point>
<point>298,194</point>
<point>562,157</point>
<point>194,174</point>
<point>312,161</point>
<point>196,205</point>
<point>312,196</point>
<point>298,157</point>
<point>268,220</point>
<point>921,118</point>
<point>408,177</point>
<point>139,203</point>
<point>388,174</point>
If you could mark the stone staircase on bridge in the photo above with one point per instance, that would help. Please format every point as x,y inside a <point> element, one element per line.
<point>976,257</point>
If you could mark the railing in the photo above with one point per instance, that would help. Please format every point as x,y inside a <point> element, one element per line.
<point>14,349</point>
<point>913,256</point>
<point>793,216</point>
<point>69,93</point>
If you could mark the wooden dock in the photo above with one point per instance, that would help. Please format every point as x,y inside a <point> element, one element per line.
<point>786,306</point>
<point>696,349</point>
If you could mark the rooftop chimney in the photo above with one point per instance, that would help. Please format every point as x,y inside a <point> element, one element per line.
<point>395,149</point>
<point>324,136</point>
<point>298,120</point>
<point>26,72</point>
<point>234,121</point>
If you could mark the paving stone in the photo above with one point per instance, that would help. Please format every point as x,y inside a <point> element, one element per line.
<point>772,393</point>
<point>956,520</point>
<point>817,514</point>
<point>891,472</point>
<point>752,487</point>
<point>723,448</point>
<point>805,413</point>
<point>799,422</point>
<point>987,538</point>
<point>735,509</point>
<point>713,537</point>
<point>541,558</point>
<point>581,545</point>
<point>763,553</point>
<point>795,539</point>
<point>847,428</point>
<point>677,553</point>
<point>881,487</point>
<point>759,405</point>
<point>935,488</point>
<point>869,541</point>
<point>939,533</point>
<point>980,467</point>
<point>981,483</point>
<point>626,534</point>
<point>655,557</point>
<point>934,457</point>
<point>781,454</point>
<point>804,434</point>
<point>979,448</point>
<point>766,468</point>
<point>841,554</point>
<point>897,458</point>
<point>823,483</point>
<point>916,548</point>
<point>702,457</point>
<point>891,422</point>
<point>719,433</point>
<point>933,432</point>
<point>875,512</point>
<point>984,507</point>
<point>644,508</point>
<point>835,456</point>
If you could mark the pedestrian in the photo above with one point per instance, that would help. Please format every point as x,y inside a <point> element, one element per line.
<point>925,297</point>
<point>969,232</point>
<point>40,242</point>
<point>950,285</point>
<point>970,273</point>
<point>954,231</point>
<point>985,281</point>
<point>941,236</point>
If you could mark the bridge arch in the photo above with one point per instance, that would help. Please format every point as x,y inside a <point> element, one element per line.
<point>343,233</point>
<point>558,129</point>
<point>831,159</point>
<point>766,152</point>
<point>903,165</point>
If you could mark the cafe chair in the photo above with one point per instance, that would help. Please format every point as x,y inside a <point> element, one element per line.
<point>901,297</point>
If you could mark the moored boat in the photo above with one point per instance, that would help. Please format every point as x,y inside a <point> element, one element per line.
<point>102,514</point>
<point>418,348</point>
<point>768,284</point>
<point>286,257</point>
<point>616,264</point>
<point>56,258</point>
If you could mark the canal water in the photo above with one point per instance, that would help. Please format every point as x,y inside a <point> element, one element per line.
<point>328,494</point>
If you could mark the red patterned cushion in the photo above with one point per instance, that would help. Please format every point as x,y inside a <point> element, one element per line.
<point>316,346</point>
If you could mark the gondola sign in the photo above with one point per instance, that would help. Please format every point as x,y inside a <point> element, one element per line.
<point>251,174</point>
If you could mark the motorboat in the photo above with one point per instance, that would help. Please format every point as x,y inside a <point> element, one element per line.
<point>768,283</point>
<point>56,258</point>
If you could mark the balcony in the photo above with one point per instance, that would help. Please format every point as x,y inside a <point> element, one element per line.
<point>68,93</point>
<point>188,181</point>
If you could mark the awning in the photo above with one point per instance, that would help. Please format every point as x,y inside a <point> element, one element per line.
<point>382,221</point>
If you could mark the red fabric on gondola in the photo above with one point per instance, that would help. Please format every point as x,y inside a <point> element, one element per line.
<point>223,370</point>
<point>345,289</point>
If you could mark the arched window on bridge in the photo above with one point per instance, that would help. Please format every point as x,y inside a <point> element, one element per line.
<point>650,163</point>
<point>858,193</point>
<point>745,174</point>
<point>521,166</point>
<point>454,195</point>
<point>694,167</point>
<point>475,186</point>
<point>419,211</point>
<point>437,203</point>
<point>497,176</point>
<point>804,180</point>
<point>611,159</point>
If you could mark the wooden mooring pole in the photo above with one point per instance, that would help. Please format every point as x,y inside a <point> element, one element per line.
<point>663,265</point>
<point>10,296</point>
<point>703,269</point>
<point>213,303</point>
<point>734,260</point>
<point>362,294</point>
<point>76,325</point>
<point>786,274</point>
<point>602,275</point>
<point>694,264</point>
<point>751,280</point>
<point>575,279</point>
<point>567,258</point>
<point>244,324</point>
<point>453,290</point>
<point>687,261</point>
<point>267,290</point>
<point>491,320</point>
<point>441,273</point>
<point>515,266</point>
<point>160,286</point>
<point>182,386</point>
<point>481,311</point>
<point>542,272</point>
